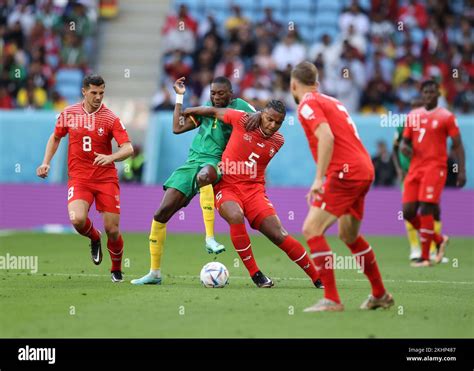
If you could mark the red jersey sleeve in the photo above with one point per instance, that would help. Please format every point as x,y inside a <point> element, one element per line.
<point>452,127</point>
<point>407,131</point>
<point>313,114</point>
<point>61,127</point>
<point>119,132</point>
<point>234,117</point>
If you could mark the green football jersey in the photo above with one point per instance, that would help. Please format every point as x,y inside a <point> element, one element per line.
<point>213,135</point>
<point>404,160</point>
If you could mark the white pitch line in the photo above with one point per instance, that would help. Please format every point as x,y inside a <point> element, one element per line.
<point>246,278</point>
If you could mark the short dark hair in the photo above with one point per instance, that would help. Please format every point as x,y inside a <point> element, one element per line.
<point>222,80</point>
<point>277,105</point>
<point>426,83</point>
<point>306,73</point>
<point>93,79</point>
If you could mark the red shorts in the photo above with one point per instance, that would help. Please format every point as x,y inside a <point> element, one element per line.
<point>251,198</point>
<point>342,196</point>
<point>106,195</point>
<point>424,185</point>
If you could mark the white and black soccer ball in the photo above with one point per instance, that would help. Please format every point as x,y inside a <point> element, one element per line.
<point>214,275</point>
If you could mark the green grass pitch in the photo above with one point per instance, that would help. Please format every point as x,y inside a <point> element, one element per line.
<point>70,297</point>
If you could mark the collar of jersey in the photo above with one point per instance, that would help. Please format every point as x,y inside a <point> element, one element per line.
<point>87,113</point>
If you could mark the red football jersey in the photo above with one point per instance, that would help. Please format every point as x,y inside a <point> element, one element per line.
<point>350,159</point>
<point>428,132</point>
<point>247,154</point>
<point>89,133</point>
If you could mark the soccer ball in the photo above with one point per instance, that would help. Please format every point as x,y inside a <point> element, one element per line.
<point>214,275</point>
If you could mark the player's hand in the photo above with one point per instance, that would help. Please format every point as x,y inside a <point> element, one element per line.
<point>461,179</point>
<point>178,86</point>
<point>254,121</point>
<point>42,170</point>
<point>316,188</point>
<point>102,160</point>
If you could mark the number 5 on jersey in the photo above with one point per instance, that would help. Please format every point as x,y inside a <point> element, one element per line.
<point>252,159</point>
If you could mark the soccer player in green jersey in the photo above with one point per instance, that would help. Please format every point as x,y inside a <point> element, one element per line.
<point>199,171</point>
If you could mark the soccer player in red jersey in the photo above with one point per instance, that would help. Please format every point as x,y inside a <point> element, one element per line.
<point>343,160</point>
<point>92,174</point>
<point>424,140</point>
<point>241,192</point>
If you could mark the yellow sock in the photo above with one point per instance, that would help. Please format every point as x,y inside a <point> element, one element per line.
<point>412,236</point>
<point>157,242</point>
<point>206,200</point>
<point>437,229</point>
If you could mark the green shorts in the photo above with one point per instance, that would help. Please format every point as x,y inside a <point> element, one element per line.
<point>184,177</point>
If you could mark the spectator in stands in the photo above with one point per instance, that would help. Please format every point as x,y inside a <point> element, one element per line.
<point>133,166</point>
<point>24,15</point>
<point>377,96</point>
<point>271,25</point>
<point>385,172</point>
<point>289,52</point>
<point>179,32</point>
<point>231,66</point>
<point>264,58</point>
<point>163,101</point>
<point>413,14</point>
<point>235,21</point>
<point>72,54</point>
<point>248,44</point>
<point>354,16</point>
<point>178,65</point>
<point>58,101</point>
<point>6,102</point>
<point>329,51</point>
<point>31,96</point>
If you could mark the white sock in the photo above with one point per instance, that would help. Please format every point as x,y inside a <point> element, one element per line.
<point>156,273</point>
<point>210,239</point>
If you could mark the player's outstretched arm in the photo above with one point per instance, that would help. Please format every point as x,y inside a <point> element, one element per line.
<point>458,149</point>
<point>218,113</point>
<point>51,148</point>
<point>181,124</point>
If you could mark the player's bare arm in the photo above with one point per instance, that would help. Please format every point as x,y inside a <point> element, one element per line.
<point>218,113</point>
<point>458,149</point>
<point>325,149</point>
<point>406,148</point>
<point>395,159</point>
<point>51,148</point>
<point>124,152</point>
<point>181,124</point>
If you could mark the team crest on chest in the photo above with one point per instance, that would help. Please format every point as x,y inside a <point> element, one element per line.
<point>434,124</point>
<point>247,137</point>
<point>100,131</point>
<point>272,152</point>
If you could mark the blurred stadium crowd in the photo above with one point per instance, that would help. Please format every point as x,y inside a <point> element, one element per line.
<point>45,48</point>
<point>372,60</point>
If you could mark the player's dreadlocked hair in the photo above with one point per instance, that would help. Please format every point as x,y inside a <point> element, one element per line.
<point>277,106</point>
<point>426,83</point>
<point>95,80</point>
<point>222,80</point>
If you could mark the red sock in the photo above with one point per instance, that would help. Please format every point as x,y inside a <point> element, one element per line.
<point>116,251</point>
<point>298,254</point>
<point>241,241</point>
<point>426,235</point>
<point>366,259</point>
<point>89,231</point>
<point>324,261</point>
<point>415,222</point>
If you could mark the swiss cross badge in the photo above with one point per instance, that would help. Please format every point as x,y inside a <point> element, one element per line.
<point>100,131</point>
<point>272,152</point>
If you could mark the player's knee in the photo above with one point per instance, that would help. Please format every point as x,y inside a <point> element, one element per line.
<point>278,236</point>
<point>235,217</point>
<point>206,176</point>
<point>77,221</point>
<point>310,230</point>
<point>347,237</point>
<point>409,213</point>
<point>112,231</point>
<point>163,214</point>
